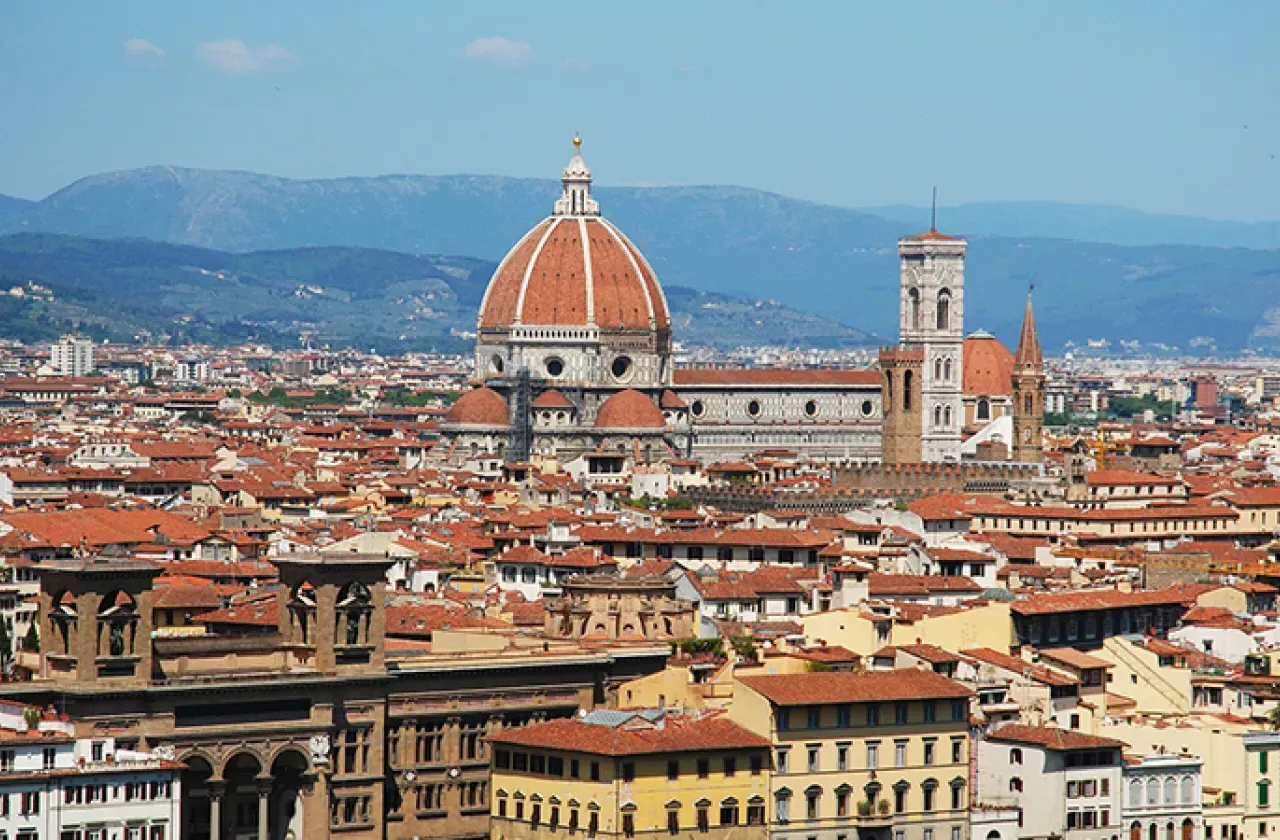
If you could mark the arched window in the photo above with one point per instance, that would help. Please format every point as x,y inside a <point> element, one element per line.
<point>1153,797</point>
<point>1188,790</point>
<point>946,370</point>
<point>946,417</point>
<point>937,368</point>
<point>984,409</point>
<point>913,306</point>
<point>888,390</point>
<point>1135,793</point>
<point>1015,785</point>
<point>937,415</point>
<point>1153,832</point>
<point>1027,405</point>
<point>1015,755</point>
<point>1168,830</point>
<point>944,310</point>
<point>907,376</point>
<point>1170,794</point>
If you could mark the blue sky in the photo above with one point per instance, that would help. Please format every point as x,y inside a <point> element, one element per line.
<point>1162,106</point>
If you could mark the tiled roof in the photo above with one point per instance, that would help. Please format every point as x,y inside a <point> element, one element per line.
<point>629,409</point>
<point>1102,599</point>
<point>830,687</point>
<point>1052,738</point>
<point>672,735</point>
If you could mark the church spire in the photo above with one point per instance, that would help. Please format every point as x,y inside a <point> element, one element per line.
<point>576,199</point>
<point>1028,358</point>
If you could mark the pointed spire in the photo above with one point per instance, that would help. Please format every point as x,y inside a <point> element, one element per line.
<point>1028,358</point>
<point>576,199</point>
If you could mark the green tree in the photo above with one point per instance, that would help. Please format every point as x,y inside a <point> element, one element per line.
<point>32,640</point>
<point>6,647</point>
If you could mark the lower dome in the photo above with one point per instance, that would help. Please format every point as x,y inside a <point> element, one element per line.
<point>629,409</point>
<point>479,407</point>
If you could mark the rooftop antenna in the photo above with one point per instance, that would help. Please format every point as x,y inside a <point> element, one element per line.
<point>933,213</point>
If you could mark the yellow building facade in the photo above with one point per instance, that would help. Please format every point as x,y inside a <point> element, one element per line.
<point>863,756</point>
<point>619,774</point>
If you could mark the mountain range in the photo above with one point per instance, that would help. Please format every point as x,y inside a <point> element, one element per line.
<point>749,244</point>
<point>126,289</point>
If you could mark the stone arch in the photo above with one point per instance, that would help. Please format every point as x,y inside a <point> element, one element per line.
<point>946,370</point>
<point>117,624</point>
<point>200,784</point>
<point>291,774</point>
<point>907,376</point>
<point>913,307</point>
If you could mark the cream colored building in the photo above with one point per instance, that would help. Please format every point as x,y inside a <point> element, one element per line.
<point>878,756</point>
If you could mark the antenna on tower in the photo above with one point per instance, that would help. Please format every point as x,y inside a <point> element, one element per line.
<point>933,212</point>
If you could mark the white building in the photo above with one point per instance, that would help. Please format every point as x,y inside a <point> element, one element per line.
<point>72,356</point>
<point>1066,784</point>
<point>54,786</point>
<point>1162,798</point>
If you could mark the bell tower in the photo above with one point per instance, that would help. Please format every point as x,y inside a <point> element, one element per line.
<point>95,620</point>
<point>1028,393</point>
<point>931,318</point>
<point>333,611</point>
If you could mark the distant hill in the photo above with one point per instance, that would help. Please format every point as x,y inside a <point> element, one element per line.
<point>1091,223</point>
<point>339,295</point>
<point>754,245</point>
<point>11,206</point>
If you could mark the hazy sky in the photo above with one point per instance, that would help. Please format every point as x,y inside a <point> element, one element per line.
<point>1163,106</point>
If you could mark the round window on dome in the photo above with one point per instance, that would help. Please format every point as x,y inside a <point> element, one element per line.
<point>811,408</point>
<point>555,366</point>
<point>753,408</point>
<point>697,409</point>
<point>621,367</point>
<point>867,408</point>
<point>496,364</point>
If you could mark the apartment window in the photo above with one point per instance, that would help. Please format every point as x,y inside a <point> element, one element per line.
<point>502,806</point>
<point>593,824</point>
<point>899,713</point>
<point>784,720</point>
<point>957,796</point>
<point>730,766</point>
<point>929,749</point>
<point>49,758</point>
<point>930,711</point>
<point>704,768</point>
<point>573,768</point>
<point>595,771</point>
<point>628,771</point>
<point>729,812</point>
<point>704,818</point>
<point>629,824</point>
<point>813,717</point>
<point>755,812</point>
<point>782,761</point>
<point>843,715</point>
<point>573,820</point>
<point>929,790</point>
<point>873,714</point>
<point>96,750</point>
<point>812,758</point>
<point>1262,761</point>
<point>555,766</point>
<point>957,709</point>
<point>1015,785</point>
<point>757,765</point>
<point>6,760</point>
<point>900,754</point>
<point>928,834</point>
<point>955,832</point>
<point>31,803</point>
<point>842,756</point>
<point>673,770</point>
<point>811,798</point>
<point>842,802</point>
<point>535,814</point>
<point>1015,756</point>
<point>957,750</point>
<point>673,821</point>
<point>899,834</point>
<point>782,807</point>
<point>1264,793</point>
<point>537,764</point>
<point>900,798</point>
<point>873,756</point>
<point>502,759</point>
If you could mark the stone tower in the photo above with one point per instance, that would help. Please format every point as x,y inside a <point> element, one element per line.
<point>333,611</point>
<point>1028,393</point>
<point>932,319</point>
<point>900,398</point>
<point>95,620</point>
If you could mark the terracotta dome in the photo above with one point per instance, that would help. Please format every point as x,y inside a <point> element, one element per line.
<point>479,407</point>
<point>988,366</point>
<point>573,269</point>
<point>629,409</point>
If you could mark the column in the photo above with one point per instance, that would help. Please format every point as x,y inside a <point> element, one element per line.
<point>216,789</point>
<point>264,807</point>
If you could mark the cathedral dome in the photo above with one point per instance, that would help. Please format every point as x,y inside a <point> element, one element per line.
<point>478,407</point>
<point>575,269</point>
<point>629,409</point>
<point>988,366</point>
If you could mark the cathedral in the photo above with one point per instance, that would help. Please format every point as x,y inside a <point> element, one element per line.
<point>573,362</point>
